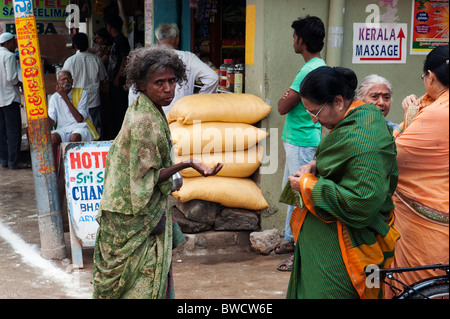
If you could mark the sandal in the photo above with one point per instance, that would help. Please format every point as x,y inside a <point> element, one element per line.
<point>20,166</point>
<point>286,265</point>
<point>286,248</point>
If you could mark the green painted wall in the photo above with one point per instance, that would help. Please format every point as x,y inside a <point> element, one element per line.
<point>276,65</point>
<point>405,78</point>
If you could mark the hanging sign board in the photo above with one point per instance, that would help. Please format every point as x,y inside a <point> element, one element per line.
<point>384,43</point>
<point>84,164</point>
<point>429,25</point>
<point>41,9</point>
<point>42,27</point>
<point>148,14</point>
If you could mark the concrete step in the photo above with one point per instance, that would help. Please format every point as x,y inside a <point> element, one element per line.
<point>214,242</point>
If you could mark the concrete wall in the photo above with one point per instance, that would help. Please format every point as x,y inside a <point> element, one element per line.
<point>276,64</point>
<point>274,69</point>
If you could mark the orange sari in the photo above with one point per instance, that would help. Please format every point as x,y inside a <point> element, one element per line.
<point>422,195</point>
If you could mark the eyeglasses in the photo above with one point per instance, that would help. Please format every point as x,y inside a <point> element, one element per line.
<point>423,75</point>
<point>317,114</point>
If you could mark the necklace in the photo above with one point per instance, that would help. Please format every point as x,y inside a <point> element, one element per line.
<point>442,92</point>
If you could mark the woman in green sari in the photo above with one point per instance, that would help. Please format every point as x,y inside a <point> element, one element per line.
<point>133,251</point>
<point>344,222</point>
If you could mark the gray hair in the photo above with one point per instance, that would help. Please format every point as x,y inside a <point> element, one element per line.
<point>144,61</point>
<point>368,82</point>
<point>167,31</point>
<point>65,71</point>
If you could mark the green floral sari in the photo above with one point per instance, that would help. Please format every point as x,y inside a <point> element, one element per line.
<point>129,260</point>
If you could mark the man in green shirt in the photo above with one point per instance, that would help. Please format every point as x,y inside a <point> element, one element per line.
<point>300,134</point>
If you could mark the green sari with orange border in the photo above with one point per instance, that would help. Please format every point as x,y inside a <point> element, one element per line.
<point>346,222</point>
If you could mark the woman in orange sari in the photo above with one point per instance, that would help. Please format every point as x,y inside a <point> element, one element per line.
<point>422,195</point>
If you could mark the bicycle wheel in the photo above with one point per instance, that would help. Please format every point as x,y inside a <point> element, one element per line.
<point>437,291</point>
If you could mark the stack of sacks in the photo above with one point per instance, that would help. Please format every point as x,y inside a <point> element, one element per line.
<point>218,128</point>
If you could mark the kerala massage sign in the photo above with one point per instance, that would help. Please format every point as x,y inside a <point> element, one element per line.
<point>379,43</point>
<point>84,165</point>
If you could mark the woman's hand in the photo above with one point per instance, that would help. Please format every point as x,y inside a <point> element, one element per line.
<point>166,173</point>
<point>205,170</point>
<point>410,99</point>
<point>295,182</point>
<point>308,168</point>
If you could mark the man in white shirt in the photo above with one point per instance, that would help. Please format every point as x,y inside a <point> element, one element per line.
<point>10,120</point>
<point>88,72</point>
<point>69,118</point>
<point>169,35</point>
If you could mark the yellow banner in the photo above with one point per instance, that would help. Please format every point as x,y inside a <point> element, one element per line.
<point>250,34</point>
<point>30,60</point>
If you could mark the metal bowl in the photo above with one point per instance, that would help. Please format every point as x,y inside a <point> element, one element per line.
<point>177,182</point>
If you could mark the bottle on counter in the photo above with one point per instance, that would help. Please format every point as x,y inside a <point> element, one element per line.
<point>230,78</point>
<point>239,78</point>
<point>223,74</point>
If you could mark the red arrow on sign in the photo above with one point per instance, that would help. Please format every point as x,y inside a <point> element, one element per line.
<point>400,36</point>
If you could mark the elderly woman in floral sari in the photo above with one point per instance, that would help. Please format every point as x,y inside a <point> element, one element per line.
<point>343,222</point>
<point>422,195</point>
<point>133,251</point>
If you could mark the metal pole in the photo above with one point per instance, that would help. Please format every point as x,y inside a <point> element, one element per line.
<point>335,33</point>
<point>44,174</point>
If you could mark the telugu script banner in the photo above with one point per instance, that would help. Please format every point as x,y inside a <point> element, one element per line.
<point>30,58</point>
<point>429,25</point>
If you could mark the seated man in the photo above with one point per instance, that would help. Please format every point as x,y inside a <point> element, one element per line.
<point>68,109</point>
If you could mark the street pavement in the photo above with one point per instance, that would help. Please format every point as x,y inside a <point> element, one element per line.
<point>24,274</point>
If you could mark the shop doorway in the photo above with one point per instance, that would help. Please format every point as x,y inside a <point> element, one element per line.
<point>218,30</point>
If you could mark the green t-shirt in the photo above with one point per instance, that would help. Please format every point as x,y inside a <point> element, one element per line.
<point>299,129</point>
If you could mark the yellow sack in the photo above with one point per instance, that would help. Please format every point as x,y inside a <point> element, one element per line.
<point>228,191</point>
<point>234,108</point>
<point>236,164</point>
<point>214,137</point>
